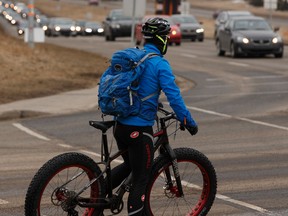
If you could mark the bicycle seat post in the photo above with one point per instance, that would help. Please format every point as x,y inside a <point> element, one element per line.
<point>105,155</point>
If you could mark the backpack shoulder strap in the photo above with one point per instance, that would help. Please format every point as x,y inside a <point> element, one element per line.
<point>149,55</point>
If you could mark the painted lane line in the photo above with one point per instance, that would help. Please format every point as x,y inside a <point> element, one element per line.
<point>65,145</point>
<point>188,55</point>
<point>238,64</point>
<point>267,83</point>
<point>99,155</point>
<point>214,79</point>
<point>266,77</point>
<point>209,112</point>
<point>244,204</point>
<point>239,94</point>
<point>3,202</point>
<point>30,132</point>
<point>238,118</point>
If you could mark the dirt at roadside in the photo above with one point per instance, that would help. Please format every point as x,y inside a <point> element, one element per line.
<point>44,70</point>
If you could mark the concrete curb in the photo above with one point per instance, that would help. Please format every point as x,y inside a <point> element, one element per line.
<point>64,103</point>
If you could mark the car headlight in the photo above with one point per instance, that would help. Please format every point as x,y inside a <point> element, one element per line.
<point>200,30</point>
<point>242,40</point>
<point>100,30</point>
<point>115,25</point>
<point>78,28</point>
<point>44,27</point>
<point>277,39</point>
<point>88,30</point>
<point>72,28</point>
<point>57,28</point>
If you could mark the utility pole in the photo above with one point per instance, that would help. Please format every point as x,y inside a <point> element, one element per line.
<point>31,23</point>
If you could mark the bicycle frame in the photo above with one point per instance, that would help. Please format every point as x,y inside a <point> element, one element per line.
<point>161,142</point>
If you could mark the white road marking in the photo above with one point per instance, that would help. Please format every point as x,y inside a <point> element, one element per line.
<point>65,145</point>
<point>238,64</point>
<point>3,202</point>
<point>214,79</point>
<point>29,131</point>
<point>239,118</point>
<point>99,155</point>
<point>188,55</point>
<point>244,204</point>
<point>267,83</point>
<point>265,77</point>
<point>249,78</point>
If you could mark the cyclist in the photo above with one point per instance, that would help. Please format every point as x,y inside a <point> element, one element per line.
<point>135,133</point>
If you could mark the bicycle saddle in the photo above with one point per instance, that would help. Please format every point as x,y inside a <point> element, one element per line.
<point>102,125</point>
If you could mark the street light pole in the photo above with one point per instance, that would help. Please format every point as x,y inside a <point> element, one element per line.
<point>31,23</point>
<point>133,22</point>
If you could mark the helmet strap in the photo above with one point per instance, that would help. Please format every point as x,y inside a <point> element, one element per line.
<point>163,46</point>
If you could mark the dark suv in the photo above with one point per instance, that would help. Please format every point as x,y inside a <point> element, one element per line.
<point>117,25</point>
<point>222,17</point>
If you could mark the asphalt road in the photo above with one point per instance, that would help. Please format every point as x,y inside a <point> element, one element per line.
<point>240,105</point>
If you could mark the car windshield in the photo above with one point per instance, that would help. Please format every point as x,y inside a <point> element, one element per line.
<point>185,19</point>
<point>118,15</point>
<point>64,21</point>
<point>251,25</point>
<point>91,24</point>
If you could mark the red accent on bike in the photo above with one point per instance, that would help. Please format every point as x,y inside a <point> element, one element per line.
<point>174,190</point>
<point>143,198</point>
<point>158,133</point>
<point>134,134</point>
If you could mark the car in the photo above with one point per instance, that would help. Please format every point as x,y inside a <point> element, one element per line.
<point>93,28</point>
<point>221,17</point>
<point>21,26</point>
<point>249,36</point>
<point>117,24</point>
<point>190,28</point>
<point>175,34</point>
<point>80,27</point>
<point>43,21</point>
<point>61,26</point>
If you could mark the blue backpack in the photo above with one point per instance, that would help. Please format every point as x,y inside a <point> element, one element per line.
<point>117,94</point>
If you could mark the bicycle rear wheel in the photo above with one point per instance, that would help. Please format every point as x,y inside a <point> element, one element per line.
<point>53,190</point>
<point>198,180</point>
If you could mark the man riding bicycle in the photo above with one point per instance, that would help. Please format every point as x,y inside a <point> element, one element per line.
<point>135,133</point>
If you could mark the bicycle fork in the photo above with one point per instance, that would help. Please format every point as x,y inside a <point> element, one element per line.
<point>178,191</point>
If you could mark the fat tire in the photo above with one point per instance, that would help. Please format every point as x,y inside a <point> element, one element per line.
<point>50,169</point>
<point>183,155</point>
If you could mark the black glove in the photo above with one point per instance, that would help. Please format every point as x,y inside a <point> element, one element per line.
<point>192,129</point>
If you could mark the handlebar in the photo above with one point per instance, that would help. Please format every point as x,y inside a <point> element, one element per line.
<point>171,115</point>
<point>168,115</point>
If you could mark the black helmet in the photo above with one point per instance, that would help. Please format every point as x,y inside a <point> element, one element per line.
<point>155,26</point>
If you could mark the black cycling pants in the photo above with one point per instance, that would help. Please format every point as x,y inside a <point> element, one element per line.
<point>138,159</point>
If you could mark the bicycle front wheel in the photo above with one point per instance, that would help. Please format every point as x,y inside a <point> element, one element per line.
<point>55,187</point>
<point>198,180</point>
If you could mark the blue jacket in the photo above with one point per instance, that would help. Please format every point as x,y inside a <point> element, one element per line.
<point>158,76</point>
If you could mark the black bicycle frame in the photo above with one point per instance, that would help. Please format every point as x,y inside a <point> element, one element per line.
<point>161,142</point>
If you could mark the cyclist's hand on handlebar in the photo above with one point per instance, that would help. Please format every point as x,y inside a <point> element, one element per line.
<point>192,129</point>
